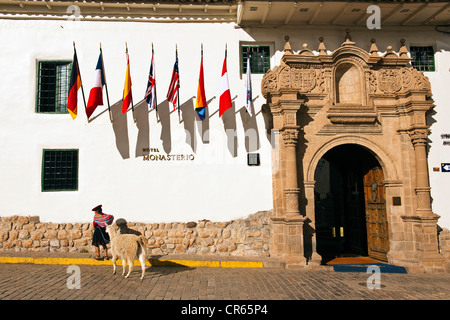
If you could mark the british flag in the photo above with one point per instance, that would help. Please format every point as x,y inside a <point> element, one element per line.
<point>150,93</point>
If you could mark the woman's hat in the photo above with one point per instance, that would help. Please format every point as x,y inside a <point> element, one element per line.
<point>99,207</point>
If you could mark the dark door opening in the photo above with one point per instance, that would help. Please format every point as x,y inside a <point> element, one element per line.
<point>341,201</point>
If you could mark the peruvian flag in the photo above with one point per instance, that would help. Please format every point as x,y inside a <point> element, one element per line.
<point>96,93</point>
<point>225,95</point>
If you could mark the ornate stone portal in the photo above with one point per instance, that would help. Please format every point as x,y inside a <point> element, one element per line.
<point>350,96</point>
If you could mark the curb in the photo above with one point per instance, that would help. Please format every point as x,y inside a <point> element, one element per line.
<point>149,262</point>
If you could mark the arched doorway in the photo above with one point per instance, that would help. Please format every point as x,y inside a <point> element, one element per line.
<point>350,204</point>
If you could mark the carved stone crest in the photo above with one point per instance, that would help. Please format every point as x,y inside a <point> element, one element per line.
<point>303,79</point>
<point>389,80</point>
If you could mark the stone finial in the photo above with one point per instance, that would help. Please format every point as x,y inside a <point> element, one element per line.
<point>390,53</point>
<point>305,51</point>
<point>403,52</point>
<point>348,37</point>
<point>373,48</point>
<point>322,48</point>
<point>287,46</point>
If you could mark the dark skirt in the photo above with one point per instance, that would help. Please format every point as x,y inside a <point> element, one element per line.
<point>101,237</point>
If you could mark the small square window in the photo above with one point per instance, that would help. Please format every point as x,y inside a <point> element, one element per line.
<point>253,159</point>
<point>259,58</point>
<point>422,58</point>
<point>60,170</point>
<point>52,86</point>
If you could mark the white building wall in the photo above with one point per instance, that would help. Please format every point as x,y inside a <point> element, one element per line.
<point>216,185</point>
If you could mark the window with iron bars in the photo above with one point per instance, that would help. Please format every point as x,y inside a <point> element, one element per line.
<point>59,170</point>
<point>422,58</point>
<point>259,58</point>
<point>52,86</point>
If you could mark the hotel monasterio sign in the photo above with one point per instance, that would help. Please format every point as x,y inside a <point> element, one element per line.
<point>153,154</point>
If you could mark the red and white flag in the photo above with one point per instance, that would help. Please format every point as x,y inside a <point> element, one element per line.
<point>225,95</point>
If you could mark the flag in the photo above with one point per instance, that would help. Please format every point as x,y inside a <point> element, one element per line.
<point>150,93</point>
<point>75,84</point>
<point>225,95</point>
<point>200,104</point>
<point>174,86</point>
<point>248,88</point>
<point>127,87</point>
<point>96,93</point>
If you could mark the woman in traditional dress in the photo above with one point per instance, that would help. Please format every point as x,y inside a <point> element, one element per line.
<point>101,237</point>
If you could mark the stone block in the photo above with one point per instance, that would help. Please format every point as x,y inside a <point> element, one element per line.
<point>54,243</point>
<point>221,224</point>
<point>62,234</point>
<point>22,220</point>
<point>23,235</point>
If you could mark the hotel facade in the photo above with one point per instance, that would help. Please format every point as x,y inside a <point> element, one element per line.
<point>345,148</point>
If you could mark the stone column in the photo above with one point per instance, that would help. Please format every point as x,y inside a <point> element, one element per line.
<point>287,224</point>
<point>423,225</point>
<point>291,191</point>
<point>423,190</point>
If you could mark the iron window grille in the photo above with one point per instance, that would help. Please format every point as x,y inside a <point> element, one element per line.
<point>52,86</point>
<point>422,58</point>
<point>59,170</point>
<point>259,58</point>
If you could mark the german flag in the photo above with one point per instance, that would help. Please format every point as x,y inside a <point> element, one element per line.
<point>75,84</point>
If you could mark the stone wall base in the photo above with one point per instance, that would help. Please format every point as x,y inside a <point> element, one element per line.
<point>242,237</point>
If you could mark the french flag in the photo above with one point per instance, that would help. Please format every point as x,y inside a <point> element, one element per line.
<point>96,93</point>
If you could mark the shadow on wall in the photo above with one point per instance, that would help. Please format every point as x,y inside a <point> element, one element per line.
<point>120,127</point>
<point>190,120</point>
<point>142,123</point>
<point>164,111</point>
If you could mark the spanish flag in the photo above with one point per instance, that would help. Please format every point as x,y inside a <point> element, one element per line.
<point>75,84</point>
<point>127,87</point>
<point>200,104</point>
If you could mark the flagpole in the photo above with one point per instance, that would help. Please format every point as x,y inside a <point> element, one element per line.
<point>106,86</point>
<point>78,67</point>
<point>154,72</point>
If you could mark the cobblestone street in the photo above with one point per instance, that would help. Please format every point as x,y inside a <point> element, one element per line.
<point>43,282</point>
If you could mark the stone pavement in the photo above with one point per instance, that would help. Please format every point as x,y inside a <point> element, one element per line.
<point>29,281</point>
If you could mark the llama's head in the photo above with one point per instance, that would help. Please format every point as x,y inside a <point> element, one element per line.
<point>110,230</point>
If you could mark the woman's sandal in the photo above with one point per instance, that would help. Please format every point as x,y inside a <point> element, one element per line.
<point>98,258</point>
<point>106,257</point>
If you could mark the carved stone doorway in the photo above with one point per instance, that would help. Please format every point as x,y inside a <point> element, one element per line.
<point>318,102</point>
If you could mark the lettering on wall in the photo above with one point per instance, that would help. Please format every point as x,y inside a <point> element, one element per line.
<point>445,136</point>
<point>155,155</point>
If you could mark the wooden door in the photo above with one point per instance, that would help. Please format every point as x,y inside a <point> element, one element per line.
<point>376,219</point>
